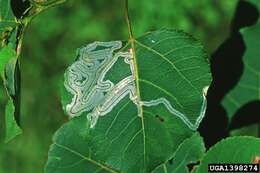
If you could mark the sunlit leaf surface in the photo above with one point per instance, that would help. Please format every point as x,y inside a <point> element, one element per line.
<point>232,150</point>
<point>190,151</point>
<point>131,116</point>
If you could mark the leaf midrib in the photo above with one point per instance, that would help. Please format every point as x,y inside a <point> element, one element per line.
<point>140,107</point>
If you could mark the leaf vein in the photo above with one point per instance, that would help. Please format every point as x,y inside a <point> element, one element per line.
<point>170,62</point>
<point>86,158</point>
<point>161,89</point>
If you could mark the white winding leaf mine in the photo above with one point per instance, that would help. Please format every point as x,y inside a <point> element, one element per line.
<point>84,79</point>
<point>169,107</point>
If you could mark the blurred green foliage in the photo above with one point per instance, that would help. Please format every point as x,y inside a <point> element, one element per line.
<point>50,44</point>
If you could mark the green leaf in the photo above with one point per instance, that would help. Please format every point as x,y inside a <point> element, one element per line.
<point>256,3</point>
<point>173,65</point>
<point>8,60</point>
<point>251,130</point>
<point>10,77</point>
<point>12,129</point>
<point>49,3</point>
<point>248,88</point>
<point>6,54</point>
<point>6,13</point>
<point>232,150</point>
<point>7,19</point>
<point>10,40</point>
<point>190,151</point>
<point>155,102</point>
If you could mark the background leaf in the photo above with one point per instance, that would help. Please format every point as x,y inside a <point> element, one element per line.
<point>251,130</point>
<point>231,150</point>
<point>7,19</point>
<point>11,34</point>
<point>248,88</point>
<point>8,57</point>
<point>6,54</point>
<point>190,151</point>
<point>8,61</point>
<point>12,129</point>
<point>170,64</point>
<point>256,3</point>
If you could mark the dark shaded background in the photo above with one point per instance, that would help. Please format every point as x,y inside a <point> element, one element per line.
<point>50,44</point>
<point>227,68</point>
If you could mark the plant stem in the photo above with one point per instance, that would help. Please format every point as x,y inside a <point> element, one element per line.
<point>136,76</point>
<point>129,26</point>
<point>132,42</point>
